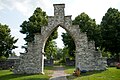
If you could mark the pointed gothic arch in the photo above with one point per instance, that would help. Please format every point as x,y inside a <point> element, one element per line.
<point>85,55</point>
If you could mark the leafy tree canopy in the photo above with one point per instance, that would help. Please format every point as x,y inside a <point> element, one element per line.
<point>86,24</point>
<point>6,41</point>
<point>110,30</point>
<point>69,43</point>
<point>34,24</point>
<point>50,47</point>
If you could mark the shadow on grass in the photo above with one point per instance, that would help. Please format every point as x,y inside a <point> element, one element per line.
<point>71,77</point>
<point>49,68</point>
<point>70,70</point>
<point>69,67</point>
<point>21,77</point>
<point>90,73</point>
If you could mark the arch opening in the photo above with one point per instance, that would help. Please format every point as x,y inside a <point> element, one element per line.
<point>60,48</point>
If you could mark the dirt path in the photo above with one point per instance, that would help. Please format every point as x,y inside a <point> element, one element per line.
<point>59,73</point>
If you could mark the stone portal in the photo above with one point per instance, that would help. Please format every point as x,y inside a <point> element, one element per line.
<point>86,58</point>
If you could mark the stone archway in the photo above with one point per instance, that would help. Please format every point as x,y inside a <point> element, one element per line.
<point>86,56</point>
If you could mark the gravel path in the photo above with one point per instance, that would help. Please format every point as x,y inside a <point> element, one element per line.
<point>58,73</point>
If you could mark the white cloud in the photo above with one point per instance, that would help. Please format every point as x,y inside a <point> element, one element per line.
<point>6,4</point>
<point>22,7</point>
<point>45,5</point>
<point>25,7</point>
<point>1,7</point>
<point>94,8</point>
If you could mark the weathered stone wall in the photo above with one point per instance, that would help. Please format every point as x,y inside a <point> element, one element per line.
<point>30,63</point>
<point>86,56</point>
<point>6,64</point>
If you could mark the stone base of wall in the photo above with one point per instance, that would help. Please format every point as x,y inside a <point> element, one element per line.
<point>92,61</point>
<point>89,62</point>
<point>25,65</point>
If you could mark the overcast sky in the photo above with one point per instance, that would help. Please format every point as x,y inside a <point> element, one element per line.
<point>14,12</point>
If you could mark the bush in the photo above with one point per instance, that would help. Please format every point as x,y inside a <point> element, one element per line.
<point>118,65</point>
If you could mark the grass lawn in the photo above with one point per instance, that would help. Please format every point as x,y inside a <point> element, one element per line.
<point>110,74</point>
<point>8,75</point>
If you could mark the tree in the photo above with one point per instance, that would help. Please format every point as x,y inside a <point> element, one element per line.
<point>59,54</point>
<point>86,24</point>
<point>51,50</point>
<point>89,26</point>
<point>50,47</point>
<point>69,43</point>
<point>65,52</point>
<point>34,24</point>
<point>110,31</point>
<point>6,41</point>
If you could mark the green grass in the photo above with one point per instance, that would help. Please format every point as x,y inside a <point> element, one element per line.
<point>69,69</point>
<point>110,74</point>
<point>8,75</point>
<point>48,70</point>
